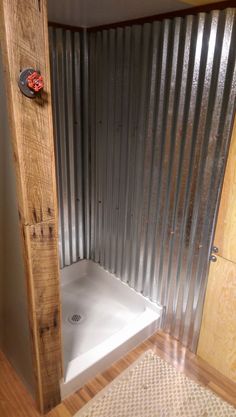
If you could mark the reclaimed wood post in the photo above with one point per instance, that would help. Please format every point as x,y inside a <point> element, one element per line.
<point>24,43</point>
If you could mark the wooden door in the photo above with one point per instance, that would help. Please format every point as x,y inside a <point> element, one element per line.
<point>225,236</point>
<point>217,342</point>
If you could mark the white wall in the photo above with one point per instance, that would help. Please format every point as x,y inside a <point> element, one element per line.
<point>14,330</point>
<point>88,13</point>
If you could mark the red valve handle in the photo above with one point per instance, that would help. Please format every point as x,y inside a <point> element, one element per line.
<point>35,82</point>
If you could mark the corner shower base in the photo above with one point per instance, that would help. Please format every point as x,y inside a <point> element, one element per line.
<point>102,319</point>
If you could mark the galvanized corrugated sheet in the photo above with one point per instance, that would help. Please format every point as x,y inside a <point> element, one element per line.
<point>71,141</point>
<point>143,117</point>
<point>162,100</point>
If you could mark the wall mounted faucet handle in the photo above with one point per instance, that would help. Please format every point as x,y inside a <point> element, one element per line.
<point>215,249</point>
<point>30,82</point>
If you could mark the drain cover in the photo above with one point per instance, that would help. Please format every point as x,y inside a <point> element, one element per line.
<point>75,318</point>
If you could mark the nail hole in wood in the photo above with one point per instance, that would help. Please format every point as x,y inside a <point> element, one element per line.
<point>50,231</point>
<point>55,321</point>
<point>35,215</point>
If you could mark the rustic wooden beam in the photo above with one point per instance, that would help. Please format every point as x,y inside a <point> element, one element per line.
<point>24,42</point>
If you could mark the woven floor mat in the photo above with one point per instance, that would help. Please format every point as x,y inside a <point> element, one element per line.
<point>153,388</point>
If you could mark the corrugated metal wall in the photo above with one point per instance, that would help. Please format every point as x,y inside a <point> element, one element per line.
<point>162,98</point>
<point>147,160</point>
<point>69,68</point>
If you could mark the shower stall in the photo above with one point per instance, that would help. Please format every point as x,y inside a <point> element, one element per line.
<point>125,144</point>
<point>143,115</point>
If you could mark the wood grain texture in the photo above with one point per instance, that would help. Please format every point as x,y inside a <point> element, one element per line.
<point>24,42</point>
<point>225,236</point>
<point>41,243</point>
<point>16,402</point>
<point>217,343</point>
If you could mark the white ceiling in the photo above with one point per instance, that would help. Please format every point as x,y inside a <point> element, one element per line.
<point>87,13</point>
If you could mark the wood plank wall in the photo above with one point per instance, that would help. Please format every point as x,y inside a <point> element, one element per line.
<point>24,42</point>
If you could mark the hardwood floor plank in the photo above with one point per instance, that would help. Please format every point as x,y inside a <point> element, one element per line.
<point>16,402</point>
<point>84,394</point>
<point>229,397</point>
<point>74,403</point>
<point>60,411</point>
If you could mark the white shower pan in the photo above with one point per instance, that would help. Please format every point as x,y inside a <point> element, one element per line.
<point>102,319</point>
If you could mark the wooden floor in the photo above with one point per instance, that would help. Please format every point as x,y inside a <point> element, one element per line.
<point>16,402</point>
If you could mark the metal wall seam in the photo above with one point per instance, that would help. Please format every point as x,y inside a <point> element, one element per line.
<point>67,66</point>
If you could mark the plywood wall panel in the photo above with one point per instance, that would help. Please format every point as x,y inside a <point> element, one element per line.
<point>217,343</point>
<point>225,237</point>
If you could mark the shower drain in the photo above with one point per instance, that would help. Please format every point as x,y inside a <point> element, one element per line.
<point>75,318</point>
